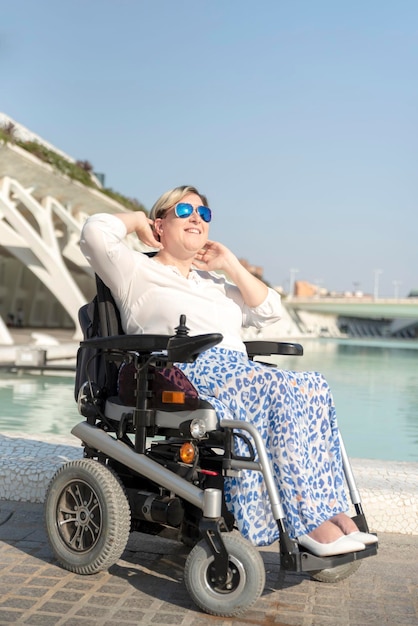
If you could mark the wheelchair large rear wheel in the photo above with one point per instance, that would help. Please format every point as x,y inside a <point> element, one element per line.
<point>245,581</point>
<point>335,574</point>
<point>87,516</point>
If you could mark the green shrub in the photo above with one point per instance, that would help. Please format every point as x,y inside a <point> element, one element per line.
<point>79,171</point>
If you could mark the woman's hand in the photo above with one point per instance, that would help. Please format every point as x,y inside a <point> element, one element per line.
<point>215,256</point>
<point>146,233</point>
<point>137,222</point>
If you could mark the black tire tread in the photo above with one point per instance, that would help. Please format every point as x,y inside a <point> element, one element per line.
<point>119,516</point>
<point>335,574</point>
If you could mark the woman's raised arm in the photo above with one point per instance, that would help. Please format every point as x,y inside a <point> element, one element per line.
<point>137,222</point>
<point>216,256</point>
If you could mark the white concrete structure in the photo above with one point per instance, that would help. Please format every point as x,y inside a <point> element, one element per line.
<point>44,278</point>
<point>28,233</point>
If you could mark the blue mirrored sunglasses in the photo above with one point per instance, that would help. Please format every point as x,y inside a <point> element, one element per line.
<point>185,209</point>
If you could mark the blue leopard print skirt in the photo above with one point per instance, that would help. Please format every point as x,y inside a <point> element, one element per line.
<point>295,414</point>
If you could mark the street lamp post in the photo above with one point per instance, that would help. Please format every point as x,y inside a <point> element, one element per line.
<point>376,283</point>
<point>396,285</point>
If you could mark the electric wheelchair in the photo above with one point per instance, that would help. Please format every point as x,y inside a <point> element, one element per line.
<point>158,458</point>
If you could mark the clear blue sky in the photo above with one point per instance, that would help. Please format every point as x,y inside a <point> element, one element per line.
<point>297,118</point>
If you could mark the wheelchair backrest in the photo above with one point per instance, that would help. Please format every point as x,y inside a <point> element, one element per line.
<point>98,318</point>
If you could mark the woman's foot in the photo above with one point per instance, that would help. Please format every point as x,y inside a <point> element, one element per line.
<point>327,532</point>
<point>367,538</point>
<point>339,535</point>
<point>344,523</point>
<point>350,529</point>
<point>342,545</point>
<point>329,540</point>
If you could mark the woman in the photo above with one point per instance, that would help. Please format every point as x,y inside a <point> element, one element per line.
<point>294,412</point>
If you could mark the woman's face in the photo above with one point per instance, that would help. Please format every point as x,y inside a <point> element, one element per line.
<point>183,236</point>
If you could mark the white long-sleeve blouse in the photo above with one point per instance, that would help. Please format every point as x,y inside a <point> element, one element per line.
<point>152,296</point>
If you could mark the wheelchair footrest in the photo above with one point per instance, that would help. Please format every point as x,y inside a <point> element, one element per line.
<point>306,562</point>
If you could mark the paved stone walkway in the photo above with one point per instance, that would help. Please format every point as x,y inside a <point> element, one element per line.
<point>146,585</point>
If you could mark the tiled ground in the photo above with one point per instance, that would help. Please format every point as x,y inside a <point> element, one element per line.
<point>146,585</point>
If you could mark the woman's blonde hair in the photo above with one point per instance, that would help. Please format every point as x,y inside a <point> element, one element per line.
<point>172,197</point>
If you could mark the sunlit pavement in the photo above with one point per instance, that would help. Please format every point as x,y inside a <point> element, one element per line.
<point>146,586</point>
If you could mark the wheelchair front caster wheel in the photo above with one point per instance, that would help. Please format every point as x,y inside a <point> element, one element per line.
<point>87,516</point>
<point>245,581</point>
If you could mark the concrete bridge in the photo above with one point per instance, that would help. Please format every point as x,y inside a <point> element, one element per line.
<point>363,307</point>
<point>354,316</point>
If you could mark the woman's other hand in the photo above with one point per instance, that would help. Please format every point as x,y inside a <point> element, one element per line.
<point>215,256</point>
<point>137,222</point>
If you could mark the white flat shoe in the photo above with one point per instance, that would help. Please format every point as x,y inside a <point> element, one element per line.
<point>343,545</point>
<point>367,538</point>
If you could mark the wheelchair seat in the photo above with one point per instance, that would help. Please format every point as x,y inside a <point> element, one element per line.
<point>164,420</point>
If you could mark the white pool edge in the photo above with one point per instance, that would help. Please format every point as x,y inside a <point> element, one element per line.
<point>389,489</point>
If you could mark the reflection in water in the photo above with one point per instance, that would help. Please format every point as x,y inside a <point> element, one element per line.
<point>375,391</point>
<point>37,404</point>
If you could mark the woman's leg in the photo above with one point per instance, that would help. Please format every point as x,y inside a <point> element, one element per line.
<point>295,415</point>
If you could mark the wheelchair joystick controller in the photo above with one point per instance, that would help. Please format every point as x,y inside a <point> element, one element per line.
<point>182,348</point>
<point>182,330</point>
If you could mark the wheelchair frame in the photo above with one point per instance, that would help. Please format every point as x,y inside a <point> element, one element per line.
<point>161,490</point>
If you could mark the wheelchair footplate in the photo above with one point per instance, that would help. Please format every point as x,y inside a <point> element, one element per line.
<point>304,561</point>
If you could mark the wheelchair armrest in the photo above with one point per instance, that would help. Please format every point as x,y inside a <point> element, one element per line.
<point>179,349</point>
<point>137,343</point>
<point>267,348</point>
<point>186,349</point>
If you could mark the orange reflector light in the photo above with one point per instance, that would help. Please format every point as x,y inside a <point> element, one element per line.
<point>187,452</point>
<point>174,397</point>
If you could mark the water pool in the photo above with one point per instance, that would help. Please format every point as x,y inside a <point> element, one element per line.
<point>375,390</point>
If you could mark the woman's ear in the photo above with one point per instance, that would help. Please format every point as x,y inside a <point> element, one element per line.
<point>157,227</point>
